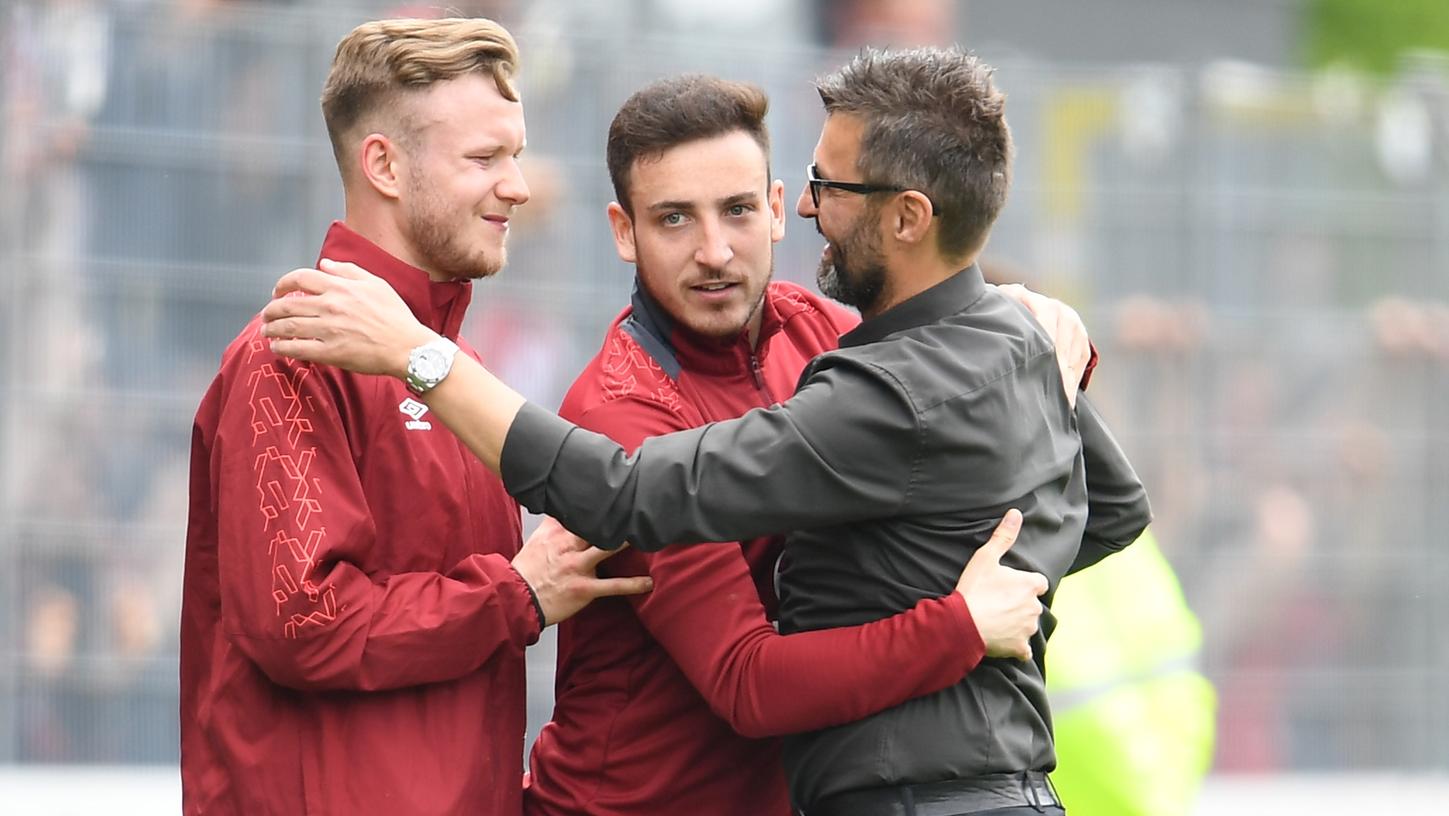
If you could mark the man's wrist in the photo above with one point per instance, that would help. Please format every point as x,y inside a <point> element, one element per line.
<point>400,357</point>
<point>537,605</point>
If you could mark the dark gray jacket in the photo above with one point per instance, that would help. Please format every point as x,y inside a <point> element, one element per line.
<point>893,462</point>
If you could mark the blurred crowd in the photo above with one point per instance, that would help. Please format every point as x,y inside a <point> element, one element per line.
<point>1261,256</point>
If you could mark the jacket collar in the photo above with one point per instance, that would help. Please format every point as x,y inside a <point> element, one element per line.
<point>675,347</point>
<point>438,305</point>
<point>946,298</point>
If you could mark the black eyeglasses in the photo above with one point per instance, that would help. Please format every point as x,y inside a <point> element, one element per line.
<point>816,182</point>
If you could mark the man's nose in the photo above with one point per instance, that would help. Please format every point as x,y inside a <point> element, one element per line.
<point>805,205</point>
<point>714,250</point>
<point>513,188</point>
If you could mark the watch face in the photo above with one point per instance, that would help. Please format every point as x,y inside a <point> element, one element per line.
<point>430,365</point>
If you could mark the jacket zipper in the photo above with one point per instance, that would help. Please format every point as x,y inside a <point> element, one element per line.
<point>760,379</point>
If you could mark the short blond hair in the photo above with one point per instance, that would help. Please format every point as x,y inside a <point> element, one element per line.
<point>379,61</point>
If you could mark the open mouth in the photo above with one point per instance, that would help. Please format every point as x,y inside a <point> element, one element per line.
<point>714,287</point>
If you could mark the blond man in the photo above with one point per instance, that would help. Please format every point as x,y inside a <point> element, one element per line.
<point>356,602</point>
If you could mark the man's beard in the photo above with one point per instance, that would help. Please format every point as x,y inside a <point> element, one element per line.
<point>434,237</point>
<point>855,272</point>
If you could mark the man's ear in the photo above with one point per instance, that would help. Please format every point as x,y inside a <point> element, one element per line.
<point>912,217</point>
<point>381,163</point>
<point>777,210</point>
<point>623,228</point>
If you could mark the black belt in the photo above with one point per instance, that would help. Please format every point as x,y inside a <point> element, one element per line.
<point>949,798</point>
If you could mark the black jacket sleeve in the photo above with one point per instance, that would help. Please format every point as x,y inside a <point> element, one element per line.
<point>844,448</point>
<point>1117,507</point>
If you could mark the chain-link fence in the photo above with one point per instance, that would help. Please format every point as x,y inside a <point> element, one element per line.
<point>1261,258</point>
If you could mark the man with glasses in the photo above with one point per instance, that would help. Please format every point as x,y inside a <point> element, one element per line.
<point>812,177</point>
<point>898,452</point>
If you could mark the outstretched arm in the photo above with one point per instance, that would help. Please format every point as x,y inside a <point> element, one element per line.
<point>352,319</point>
<point>843,448</point>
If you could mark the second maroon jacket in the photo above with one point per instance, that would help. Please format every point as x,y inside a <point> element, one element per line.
<point>352,632</point>
<point>665,703</point>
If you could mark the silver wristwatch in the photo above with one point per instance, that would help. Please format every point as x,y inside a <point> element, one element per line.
<point>429,363</point>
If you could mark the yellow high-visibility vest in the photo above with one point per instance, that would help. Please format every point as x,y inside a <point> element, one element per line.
<point>1134,719</point>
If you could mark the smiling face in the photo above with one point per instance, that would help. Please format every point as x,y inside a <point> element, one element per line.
<point>705,218</point>
<point>852,265</point>
<point>461,180</point>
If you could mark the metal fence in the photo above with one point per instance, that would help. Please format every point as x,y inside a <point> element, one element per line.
<point>1261,257</point>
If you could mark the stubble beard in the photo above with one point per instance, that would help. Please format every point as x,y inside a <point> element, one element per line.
<point>733,330</point>
<point>436,239</point>
<point>702,327</point>
<point>855,273</point>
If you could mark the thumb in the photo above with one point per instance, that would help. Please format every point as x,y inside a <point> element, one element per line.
<point>1001,540</point>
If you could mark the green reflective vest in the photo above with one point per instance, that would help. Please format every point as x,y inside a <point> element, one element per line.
<point>1134,719</point>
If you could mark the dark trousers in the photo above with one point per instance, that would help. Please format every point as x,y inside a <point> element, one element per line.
<point>1028,793</point>
<point>1023,810</point>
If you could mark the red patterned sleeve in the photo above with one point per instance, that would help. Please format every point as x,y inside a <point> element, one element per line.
<point>706,612</point>
<point>293,528</point>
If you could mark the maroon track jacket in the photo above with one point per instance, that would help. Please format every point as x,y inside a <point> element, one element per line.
<point>665,701</point>
<point>352,633</point>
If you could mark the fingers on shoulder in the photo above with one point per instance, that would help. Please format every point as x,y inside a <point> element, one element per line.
<point>344,269</point>
<point>305,280</point>
<point>307,351</point>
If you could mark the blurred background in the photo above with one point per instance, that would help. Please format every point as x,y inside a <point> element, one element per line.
<point>1247,200</point>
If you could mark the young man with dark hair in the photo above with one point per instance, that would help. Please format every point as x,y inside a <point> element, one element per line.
<point>944,407</point>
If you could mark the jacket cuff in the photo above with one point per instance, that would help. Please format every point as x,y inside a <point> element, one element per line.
<point>529,452</point>
<point>537,607</point>
<point>975,648</point>
<point>525,615</point>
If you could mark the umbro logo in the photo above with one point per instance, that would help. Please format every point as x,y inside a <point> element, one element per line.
<point>414,410</point>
